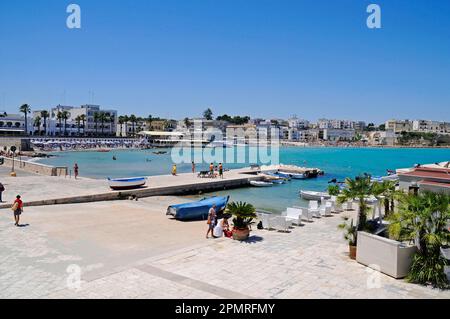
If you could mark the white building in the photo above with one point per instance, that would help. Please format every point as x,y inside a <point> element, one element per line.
<point>340,124</point>
<point>427,126</point>
<point>297,123</point>
<point>398,126</point>
<point>14,124</point>
<point>92,125</point>
<point>338,134</point>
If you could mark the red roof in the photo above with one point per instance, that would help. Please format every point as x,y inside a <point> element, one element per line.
<point>433,173</point>
<point>433,183</point>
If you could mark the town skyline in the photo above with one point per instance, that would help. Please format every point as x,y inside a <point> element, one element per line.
<point>215,114</point>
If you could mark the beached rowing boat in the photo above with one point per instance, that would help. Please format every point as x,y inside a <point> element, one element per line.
<point>197,210</point>
<point>127,183</point>
<point>312,195</point>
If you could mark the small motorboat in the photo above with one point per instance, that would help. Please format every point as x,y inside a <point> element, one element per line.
<point>278,181</point>
<point>294,175</point>
<point>282,175</point>
<point>197,210</point>
<point>127,183</point>
<point>312,195</point>
<point>261,184</point>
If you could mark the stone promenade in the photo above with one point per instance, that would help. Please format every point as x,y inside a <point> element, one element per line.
<point>130,249</point>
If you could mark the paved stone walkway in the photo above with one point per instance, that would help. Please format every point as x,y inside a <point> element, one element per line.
<point>121,254</point>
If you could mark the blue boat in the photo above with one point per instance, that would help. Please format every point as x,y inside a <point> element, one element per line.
<point>197,210</point>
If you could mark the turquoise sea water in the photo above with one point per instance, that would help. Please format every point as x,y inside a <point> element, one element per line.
<point>337,163</point>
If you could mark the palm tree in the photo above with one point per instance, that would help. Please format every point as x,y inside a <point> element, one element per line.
<point>25,109</point>
<point>112,120</point>
<point>187,122</point>
<point>208,114</point>
<point>139,123</point>
<point>423,218</point>
<point>59,116</point>
<point>386,189</point>
<point>149,122</point>
<point>103,118</point>
<point>37,123</point>
<point>96,119</point>
<point>358,188</point>
<point>133,121</point>
<point>78,121</point>
<point>65,116</point>
<point>121,122</point>
<point>45,115</point>
<point>83,120</point>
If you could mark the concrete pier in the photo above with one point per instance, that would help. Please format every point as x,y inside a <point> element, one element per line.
<point>37,190</point>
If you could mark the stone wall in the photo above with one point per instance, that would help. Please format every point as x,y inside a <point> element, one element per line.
<point>34,167</point>
<point>22,144</point>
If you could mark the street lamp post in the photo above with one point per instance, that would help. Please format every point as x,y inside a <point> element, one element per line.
<point>13,150</point>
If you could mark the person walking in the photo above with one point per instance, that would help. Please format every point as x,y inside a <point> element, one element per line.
<point>220,170</point>
<point>17,209</point>
<point>193,167</point>
<point>212,216</point>
<point>174,170</point>
<point>2,189</point>
<point>75,170</point>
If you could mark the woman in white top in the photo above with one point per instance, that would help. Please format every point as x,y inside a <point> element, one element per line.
<point>221,226</point>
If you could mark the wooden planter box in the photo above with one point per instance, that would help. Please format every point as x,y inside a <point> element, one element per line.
<point>391,257</point>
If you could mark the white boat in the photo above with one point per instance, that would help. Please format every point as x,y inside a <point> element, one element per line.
<point>127,183</point>
<point>293,175</point>
<point>312,195</point>
<point>261,184</point>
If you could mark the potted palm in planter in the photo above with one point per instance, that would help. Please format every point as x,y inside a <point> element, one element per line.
<point>423,219</point>
<point>243,214</point>
<point>350,233</point>
<point>359,188</point>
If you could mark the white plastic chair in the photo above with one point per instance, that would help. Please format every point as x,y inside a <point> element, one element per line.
<point>281,223</point>
<point>294,215</point>
<point>325,210</point>
<point>349,205</point>
<point>314,208</point>
<point>337,206</point>
<point>306,215</point>
<point>267,221</point>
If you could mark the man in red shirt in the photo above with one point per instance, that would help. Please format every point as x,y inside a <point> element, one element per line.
<point>18,208</point>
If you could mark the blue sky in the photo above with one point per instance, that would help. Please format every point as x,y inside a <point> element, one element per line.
<point>175,58</point>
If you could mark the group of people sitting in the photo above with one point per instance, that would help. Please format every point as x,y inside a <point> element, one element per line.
<point>214,171</point>
<point>218,224</point>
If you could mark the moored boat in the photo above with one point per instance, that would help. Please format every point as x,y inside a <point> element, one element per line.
<point>312,195</point>
<point>293,175</point>
<point>127,183</point>
<point>282,175</point>
<point>197,210</point>
<point>261,184</point>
